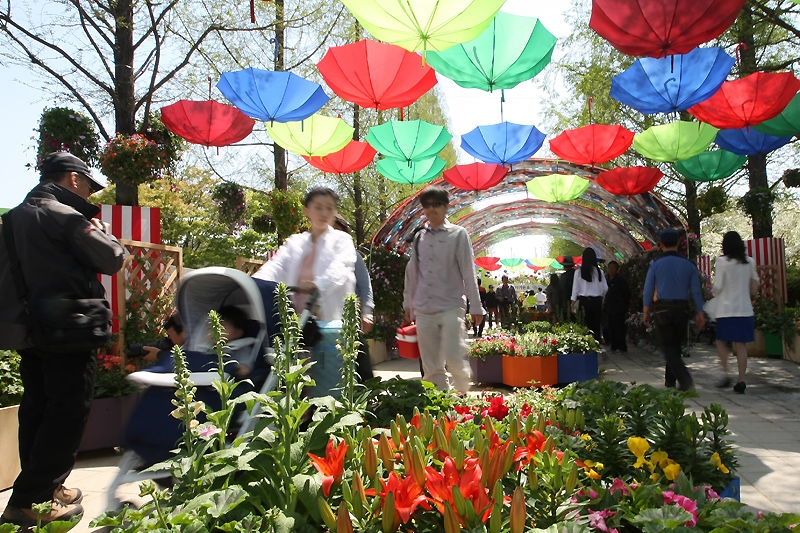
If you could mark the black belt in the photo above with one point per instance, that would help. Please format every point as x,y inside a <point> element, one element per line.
<point>672,303</point>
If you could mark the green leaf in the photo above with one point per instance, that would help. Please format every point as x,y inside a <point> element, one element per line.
<point>59,526</point>
<point>224,501</point>
<point>309,490</point>
<point>8,528</point>
<point>663,518</point>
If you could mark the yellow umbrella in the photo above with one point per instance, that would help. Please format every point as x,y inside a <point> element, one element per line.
<point>675,141</point>
<point>557,187</point>
<point>316,136</point>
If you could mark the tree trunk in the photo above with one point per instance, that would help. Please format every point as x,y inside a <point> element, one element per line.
<point>125,99</point>
<point>281,175</point>
<point>358,196</point>
<point>692,214</point>
<point>757,170</point>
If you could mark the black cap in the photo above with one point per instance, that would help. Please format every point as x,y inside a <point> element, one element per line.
<point>669,237</point>
<point>58,162</point>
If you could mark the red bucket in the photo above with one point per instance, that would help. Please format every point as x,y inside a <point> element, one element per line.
<point>407,342</point>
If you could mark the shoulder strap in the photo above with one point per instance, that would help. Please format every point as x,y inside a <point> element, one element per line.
<point>11,247</point>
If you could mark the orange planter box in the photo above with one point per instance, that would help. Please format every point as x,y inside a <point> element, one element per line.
<point>520,371</point>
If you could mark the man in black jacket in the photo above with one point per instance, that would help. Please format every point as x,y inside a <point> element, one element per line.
<point>618,299</point>
<point>61,247</point>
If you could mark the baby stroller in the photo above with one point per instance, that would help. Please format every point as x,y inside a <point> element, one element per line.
<point>151,432</point>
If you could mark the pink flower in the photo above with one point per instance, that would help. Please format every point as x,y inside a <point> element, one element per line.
<point>209,431</point>
<point>711,494</point>
<point>682,501</point>
<point>597,519</point>
<point>618,484</point>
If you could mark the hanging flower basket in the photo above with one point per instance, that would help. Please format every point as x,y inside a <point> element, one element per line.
<point>61,128</point>
<point>757,203</point>
<point>712,200</point>
<point>132,159</point>
<point>791,178</point>
<point>231,204</point>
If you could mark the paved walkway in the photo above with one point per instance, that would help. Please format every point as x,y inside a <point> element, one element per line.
<point>765,422</point>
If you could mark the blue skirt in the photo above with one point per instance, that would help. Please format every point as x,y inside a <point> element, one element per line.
<point>736,329</point>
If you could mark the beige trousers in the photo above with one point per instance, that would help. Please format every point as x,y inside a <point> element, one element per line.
<point>442,343</point>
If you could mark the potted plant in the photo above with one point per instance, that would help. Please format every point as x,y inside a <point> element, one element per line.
<point>577,353</point>
<point>486,357</point>
<point>535,362</point>
<point>10,396</point>
<point>775,324</point>
<point>791,348</point>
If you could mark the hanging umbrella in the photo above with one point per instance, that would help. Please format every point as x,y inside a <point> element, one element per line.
<point>629,181</point>
<point>411,173</point>
<point>512,262</point>
<point>422,24</point>
<point>659,28</point>
<point>505,143</point>
<point>592,145</point>
<point>353,157</point>
<point>557,187</point>
<point>785,124</point>
<point>272,96</point>
<point>672,83</point>
<point>492,268</point>
<point>476,176</point>
<point>208,123</point>
<point>376,75</point>
<point>534,267</point>
<point>412,140</point>
<point>748,141</point>
<point>511,50</point>
<point>748,101</point>
<point>540,261</point>
<point>486,262</point>
<point>710,166</point>
<point>674,141</point>
<point>316,136</point>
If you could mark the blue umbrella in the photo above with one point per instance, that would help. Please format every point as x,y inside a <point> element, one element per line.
<point>503,144</point>
<point>672,83</point>
<point>748,141</point>
<point>272,96</point>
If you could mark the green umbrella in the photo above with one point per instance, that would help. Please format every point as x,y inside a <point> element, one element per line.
<point>511,50</point>
<point>710,166</point>
<point>424,24</point>
<point>318,135</point>
<point>675,141</point>
<point>411,173</point>
<point>411,140</point>
<point>512,262</point>
<point>557,187</point>
<point>787,124</point>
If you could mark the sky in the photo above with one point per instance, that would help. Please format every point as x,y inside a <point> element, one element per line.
<point>21,105</point>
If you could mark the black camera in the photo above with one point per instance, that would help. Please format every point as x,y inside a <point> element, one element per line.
<point>137,350</point>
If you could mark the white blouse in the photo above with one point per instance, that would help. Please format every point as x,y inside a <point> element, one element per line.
<point>597,287</point>
<point>732,287</point>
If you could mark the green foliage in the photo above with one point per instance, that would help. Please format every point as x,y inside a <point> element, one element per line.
<point>387,270</point>
<point>110,381</point>
<point>144,317</point>
<point>774,321</point>
<point>61,128</point>
<point>711,201</point>
<point>231,205</point>
<point>757,204</point>
<point>286,211</point>
<point>791,177</point>
<point>397,396</point>
<point>10,381</point>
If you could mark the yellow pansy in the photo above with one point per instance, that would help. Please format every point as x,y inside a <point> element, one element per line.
<point>717,461</point>
<point>592,474</point>
<point>672,471</point>
<point>641,461</point>
<point>660,458</point>
<point>654,477</point>
<point>586,437</point>
<point>638,446</point>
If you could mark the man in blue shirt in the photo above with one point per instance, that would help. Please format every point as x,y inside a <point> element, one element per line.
<point>676,279</point>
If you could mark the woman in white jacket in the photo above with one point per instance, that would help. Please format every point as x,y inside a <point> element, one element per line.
<point>321,258</point>
<point>735,280</point>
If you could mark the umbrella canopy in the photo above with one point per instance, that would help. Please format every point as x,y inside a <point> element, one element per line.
<point>376,75</point>
<point>411,173</point>
<point>540,261</point>
<point>316,136</point>
<point>272,96</point>
<point>486,262</point>
<point>748,141</point>
<point>512,262</point>
<point>353,157</point>
<point>592,144</point>
<point>208,123</point>
<point>659,28</point>
<point>534,267</point>
<point>412,140</point>
<point>475,176</point>
<point>628,181</point>
<point>511,50</point>
<point>710,166</point>
<point>672,83</point>
<point>748,101</point>
<point>785,124</point>
<point>505,143</point>
<point>492,268</point>
<point>674,141</point>
<point>422,24</point>
<point>557,187</point>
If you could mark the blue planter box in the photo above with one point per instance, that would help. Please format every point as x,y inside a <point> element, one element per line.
<point>733,490</point>
<point>489,370</point>
<point>577,367</point>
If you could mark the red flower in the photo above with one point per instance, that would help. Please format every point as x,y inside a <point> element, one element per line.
<point>407,496</point>
<point>440,486</point>
<point>497,409</point>
<point>332,466</point>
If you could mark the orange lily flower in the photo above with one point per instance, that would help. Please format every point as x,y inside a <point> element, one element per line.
<point>331,466</point>
<point>440,486</point>
<point>407,496</point>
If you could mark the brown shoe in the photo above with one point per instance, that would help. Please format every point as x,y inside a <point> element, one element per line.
<point>68,496</point>
<point>26,518</point>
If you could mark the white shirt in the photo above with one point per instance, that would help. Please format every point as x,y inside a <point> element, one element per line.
<point>541,298</point>
<point>596,287</point>
<point>732,287</point>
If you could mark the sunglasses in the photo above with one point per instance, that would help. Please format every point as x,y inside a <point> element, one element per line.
<point>427,205</point>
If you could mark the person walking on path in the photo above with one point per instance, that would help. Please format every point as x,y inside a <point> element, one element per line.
<point>60,247</point>
<point>506,298</point>
<point>491,306</point>
<point>588,290</point>
<point>477,329</point>
<point>567,279</point>
<point>676,279</point>
<point>618,299</point>
<point>439,275</point>
<point>541,301</point>
<point>735,281</point>
<point>554,299</point>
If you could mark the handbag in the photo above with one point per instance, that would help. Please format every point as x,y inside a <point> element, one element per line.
<point>58,324</point>
<point>311,333</point>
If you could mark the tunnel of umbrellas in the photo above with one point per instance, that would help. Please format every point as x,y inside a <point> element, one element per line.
<point>477,46</point>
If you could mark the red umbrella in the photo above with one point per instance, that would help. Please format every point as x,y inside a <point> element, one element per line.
<point>627,181</point>
<point>592,144</point>
<point>376,75</point>
<point>208,123</point>
<point>487,263</point>
<point>475,176</point>
<point>658,28</point>
<point>535,268</point>
<point>748,101</point>
<point>354,156</point>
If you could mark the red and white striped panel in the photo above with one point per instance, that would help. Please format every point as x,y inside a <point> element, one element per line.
<point>132,223</point>
<point>770,251</point>
<point>704,265</point>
